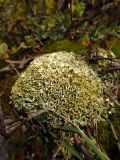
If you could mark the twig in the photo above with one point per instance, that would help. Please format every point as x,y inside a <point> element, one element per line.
<point>3,130</point>
<point>71,3</point>
<point>98,58</point>
<point>10,68</point>
<point>59,146</point>
<point>15,62</point>
<point>112,98</point>
<point>2,123</point>
<point>114,133</point>
<point>60,4</point>
<point>113,68</point>
<point>107,7</point>
<point>7,127</point>
<point>28,157</point>
<point>82,148</point>
<point>36,37</point>
<point>12,128</point>
<point>36,114</point>
<point>11,125</point>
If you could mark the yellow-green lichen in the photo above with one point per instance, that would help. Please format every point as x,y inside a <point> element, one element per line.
<point>63,83</point>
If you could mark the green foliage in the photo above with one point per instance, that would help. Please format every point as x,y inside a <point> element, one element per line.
<point>96,150</point>
<point>53,27</point>
<point>101,33</point>
<point>50,6</point>
<point>93,2</point>
<point>50,21</point>
<point>114,29</point>
<point>30,41</point>
<point>42,20</point>
<point>79,9</point>
<point>72,150</point>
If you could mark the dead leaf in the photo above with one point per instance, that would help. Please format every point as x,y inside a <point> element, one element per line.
<point>4,51</point>
<point>22,45</point>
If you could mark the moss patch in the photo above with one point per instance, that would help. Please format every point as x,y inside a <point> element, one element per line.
<point>105,134</point>
<point>114,45</point>
<point>67,45</point>
<point>116,48</point>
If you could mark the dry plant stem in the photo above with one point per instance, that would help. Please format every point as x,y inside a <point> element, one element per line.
<point>115,134</point>
<point>71,3</point>
<point>10,120</point>
<point>12,68</point>
<point>15,62</point>
<point>2,123</point>
<point>102,148</point>
<point>113,68</point>
<point>28,157</point>
<point>60,4</point>
<point>11,129</point>
<point>82,148</point>
<point>98,58</point>
<point>7,127</point>
<point>40,42</point>
<point>96,131</point>
<point>38,113</point>
<point>59,147</point>
<point>112,99</point>
<point>26,121</point>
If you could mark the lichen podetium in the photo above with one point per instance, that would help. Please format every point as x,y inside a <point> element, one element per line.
<point>63,83</point>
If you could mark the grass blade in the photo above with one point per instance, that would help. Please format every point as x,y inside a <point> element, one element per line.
<point>101,155</point>
<point>72,150</point>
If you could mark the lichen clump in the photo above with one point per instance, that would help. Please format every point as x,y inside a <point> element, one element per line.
<point>63,83</point>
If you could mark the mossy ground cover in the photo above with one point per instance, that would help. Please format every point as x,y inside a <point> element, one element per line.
<point>67,45</point>
<point>104,130</point>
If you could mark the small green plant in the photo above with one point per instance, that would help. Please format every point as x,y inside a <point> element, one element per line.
<point>92,144</point>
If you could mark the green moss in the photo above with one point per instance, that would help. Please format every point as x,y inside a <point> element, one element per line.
<point>105,134</point>
<point>116,48</point>
<point>2,64</point>
<point>67,45</point>
<point>63,83</point>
